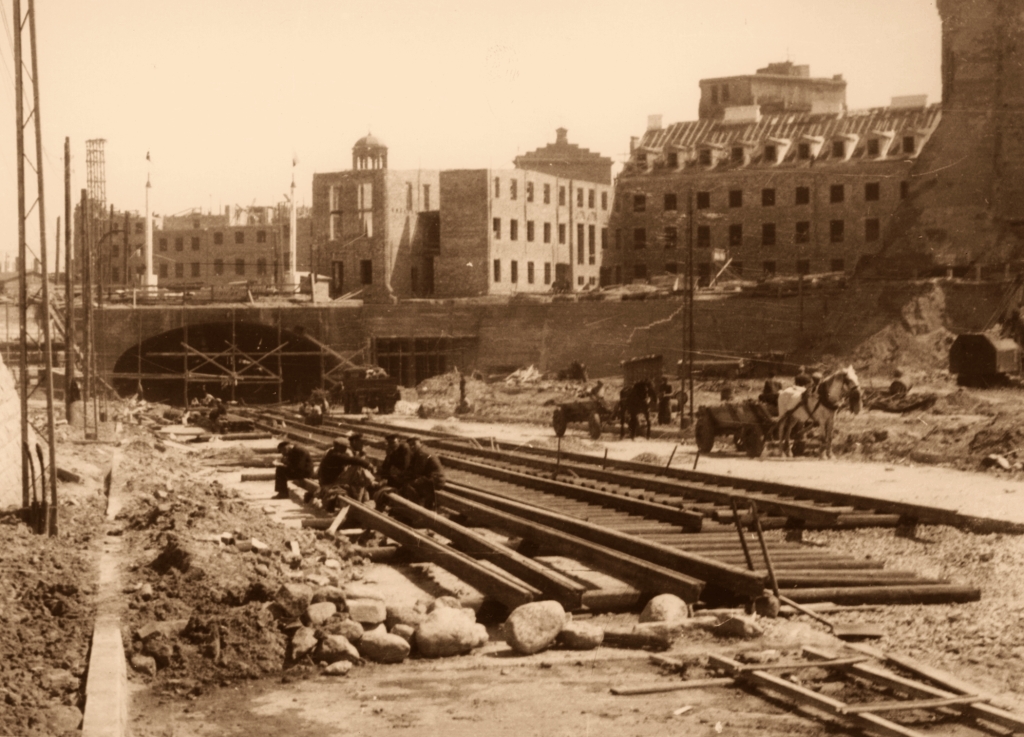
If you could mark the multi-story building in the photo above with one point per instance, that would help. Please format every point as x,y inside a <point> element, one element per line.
<point>376,229</point>
<point>807,190</point>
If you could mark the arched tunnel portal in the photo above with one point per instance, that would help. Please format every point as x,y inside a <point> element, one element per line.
<point>248,362</point>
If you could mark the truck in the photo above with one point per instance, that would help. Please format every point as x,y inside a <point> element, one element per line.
<point>367,387</point>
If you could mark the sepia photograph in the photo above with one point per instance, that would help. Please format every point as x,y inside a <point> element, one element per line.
<point>554,369</point>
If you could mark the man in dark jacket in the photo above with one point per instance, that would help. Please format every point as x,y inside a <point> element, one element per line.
<point>423,477</point>
<point>396,460</point>
<point>296,463</point>
<point>336,460</point>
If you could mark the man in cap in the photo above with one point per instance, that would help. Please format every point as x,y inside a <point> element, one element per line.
<point>295,463</point>
<point>336,460</point>
<point>396,460</point>
<point>423,477</point>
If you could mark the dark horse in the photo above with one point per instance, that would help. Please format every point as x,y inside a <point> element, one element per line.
<point>634,401</point>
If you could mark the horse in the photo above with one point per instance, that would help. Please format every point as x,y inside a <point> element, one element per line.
<point>798,404</point>
<point>633,401</point>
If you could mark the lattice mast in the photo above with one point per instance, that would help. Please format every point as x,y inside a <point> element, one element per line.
<point>96,175</point>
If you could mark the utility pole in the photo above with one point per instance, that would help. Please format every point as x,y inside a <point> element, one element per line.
<point>689,298</point>
<point>69,287</point>
<point>86,309</point>
<point>19,96</point>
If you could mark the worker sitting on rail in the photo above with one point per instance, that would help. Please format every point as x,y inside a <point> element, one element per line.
<point>295,463</point>
<point>342,474</point>
<point>396,460</point>
<point>424,476</point>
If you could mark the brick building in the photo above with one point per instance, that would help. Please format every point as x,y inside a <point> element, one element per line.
<point>794,192</point>
<point>377,229</point>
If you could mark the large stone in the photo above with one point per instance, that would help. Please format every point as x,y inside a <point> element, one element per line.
<point>160,649</point>
<point>580,636</point>
<point>169,628</point>
<point>362,591</point>
<point>317,614</point>
<point>351,630</point>
<point>665,608</point>
<point>405,631</point>
<point>379,646</point>
<point>59,718</point>
<point>337,647</point>
<point>303,641</point>
<point>446,632</point>
<point>444,601</point>
<point>534,626</point>
<point>294,599</point>
<point>332,594</point>
<point>367,611</point>
<point>339,668</point>
<point>738,627</point>
<point>58,681</point>
<point>405,614</point>
<point>143,664</point>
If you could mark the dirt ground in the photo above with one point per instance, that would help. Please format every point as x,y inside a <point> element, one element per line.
<point>224,668</point>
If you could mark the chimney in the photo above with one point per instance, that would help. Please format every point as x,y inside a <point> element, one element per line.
<point>561,135</point>
<point>633,141</point>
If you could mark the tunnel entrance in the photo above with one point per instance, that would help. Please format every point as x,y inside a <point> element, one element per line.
<point>246,362</point>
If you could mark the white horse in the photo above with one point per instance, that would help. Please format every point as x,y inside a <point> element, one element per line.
<point>799,404</point>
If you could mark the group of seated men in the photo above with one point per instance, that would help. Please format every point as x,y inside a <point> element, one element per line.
<point>345,472</point>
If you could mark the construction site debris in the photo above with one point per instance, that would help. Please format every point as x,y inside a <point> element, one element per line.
<point>665,608</point>
<point>533,627</point>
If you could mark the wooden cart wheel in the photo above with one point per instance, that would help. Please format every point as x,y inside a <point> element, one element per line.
<point>594,424</point>
<point>704,434</point>
<point>559,421</point>
<point>753,441</point>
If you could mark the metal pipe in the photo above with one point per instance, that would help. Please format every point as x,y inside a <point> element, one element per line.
<point>743,539</point>
<point>764,549</point>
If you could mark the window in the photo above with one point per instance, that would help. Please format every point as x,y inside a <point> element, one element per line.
<point>561,196</point>
<point>604,200</point>
<point>366,271</point>
<point>513,230</point>
<point>580,243</point>
<point>529,192</point>
<point>771,154</point>
<point>725,93</point>
<point>803,232</point>
<point>218,267</point>
<point>163,244</point>
<point>767,234</point>
<point>639,271</point>
<point>836,231</point>
<point>769,268</point>
<point>195,243</point>
<point>547,272</point>
<point>704,236</point>
<point>179,270</point>
<point>529,272</point>
<point>767,198</point>
<point>639,238</point>
<point>261,236</point>
<point>872,229</point>
<point>670,200</point>
<point>497,188</point>
<point>803,196</point>
<point>529,231</point>
<point>561,233</point>
<point>592,242</point>
<point>547,232</point>
<point>803,152</point>
<point>334,227</point>
<point>547,194</point>
<point>496,228</point>
<point>261,267</point>
<point>579,280</point>
<point>872,192</point>
<point>836,193</point>
<point>671,236</point>
<point>364,205</point>
<point>737,155</point>
<point>803,267</point>
<point>514,272</point>
<point>618,238</point>
<point>837,264</point>
<point>239,237</point>
<point>904,190</point>
<point>908,144</point>
<point>736,235</point>
<point>591,202</point>
<point>873,148</point>
<point>163,271</point>
<point>639,202</point>
<point>426,196</point>
<point>497,270</point>
<point>714,94</point>
<point>408,195</point>
<point>839,149</point>
<point>703,200</point>
<point>735,198</point>
<point>513,190</point>
<point>240,266</point>
<point>179,244</point>
<point>579,197</point>
<point>195,268</point>
<point>672,159</point>
<point>704,157</point>
<point>604,239</point>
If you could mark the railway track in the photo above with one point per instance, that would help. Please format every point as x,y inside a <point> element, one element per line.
<point>654,530</point>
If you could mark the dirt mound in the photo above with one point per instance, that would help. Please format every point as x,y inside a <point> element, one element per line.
<point>962,402</point>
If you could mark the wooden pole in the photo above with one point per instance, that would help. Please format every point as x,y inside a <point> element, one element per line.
<point>86,310</point>
<point>689,278</point>
<point>19,97</point>
<point>69,287</point>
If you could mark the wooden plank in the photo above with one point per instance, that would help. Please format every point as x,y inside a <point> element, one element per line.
<point>900,594</point>
<point>676,686</point>
<point>905,705</point>
<point>726,664</point>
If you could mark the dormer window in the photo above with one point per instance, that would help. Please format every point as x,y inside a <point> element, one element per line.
<point>809,147</point>
<point>873,147</point>
<point>672,159</point>
<point>705,157</point>
<point>839,149</point>
<point>771,154</point>
<point>641,158</point>
<point>803,151</point>
<point>737,154</point>
<point>909,145</point>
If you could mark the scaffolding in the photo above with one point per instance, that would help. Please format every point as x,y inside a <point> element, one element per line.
<point>96,175</point>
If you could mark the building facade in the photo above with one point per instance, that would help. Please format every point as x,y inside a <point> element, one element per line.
<point>377,229</point>
<point>764,194</point>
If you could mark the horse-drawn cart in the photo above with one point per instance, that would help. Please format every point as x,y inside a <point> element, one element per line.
<point>591,411</point>
<point>748,422</point>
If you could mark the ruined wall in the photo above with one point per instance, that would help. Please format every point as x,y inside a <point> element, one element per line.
<point>966,203</point>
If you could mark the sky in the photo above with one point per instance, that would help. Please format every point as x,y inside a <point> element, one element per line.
<point>225,94</point>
